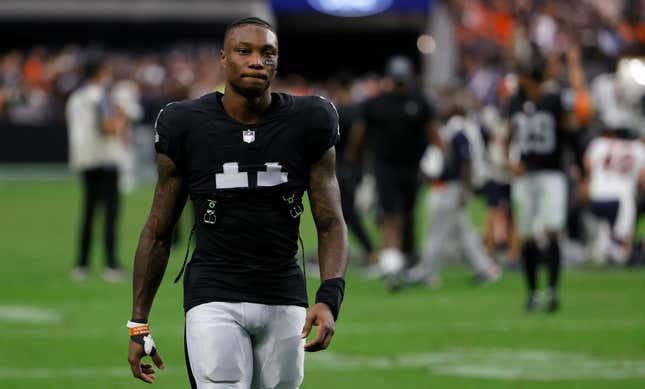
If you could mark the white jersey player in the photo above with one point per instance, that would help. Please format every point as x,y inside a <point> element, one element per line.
<point>615,167</point>
<point>452,171</point>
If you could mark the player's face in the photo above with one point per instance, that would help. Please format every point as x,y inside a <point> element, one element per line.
<point>250,59</point>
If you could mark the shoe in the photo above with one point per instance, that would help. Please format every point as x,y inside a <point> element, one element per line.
<point>553,304</point>
<point>417,276</point>
<point>432,282</point>
<point>489,276</point>
<point>113,274</point>
<point>393,283</point>
<point>531,303</point>
<point>80,274</point>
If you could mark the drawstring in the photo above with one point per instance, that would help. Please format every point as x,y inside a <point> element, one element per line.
<point>304,266</point>
<point>183,266</point>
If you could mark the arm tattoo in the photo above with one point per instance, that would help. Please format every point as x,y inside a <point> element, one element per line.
<point>324,197</point>
<point>152,253</point>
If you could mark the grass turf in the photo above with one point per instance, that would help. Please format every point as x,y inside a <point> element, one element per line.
<point>55,333</point>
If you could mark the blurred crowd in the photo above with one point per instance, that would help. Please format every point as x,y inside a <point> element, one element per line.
<point>495,36</point>
<point>35,84</point>
<point>492,36</point>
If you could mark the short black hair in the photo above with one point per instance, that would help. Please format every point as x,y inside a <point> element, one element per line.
<point>247,21</point>
<point>534,67</point>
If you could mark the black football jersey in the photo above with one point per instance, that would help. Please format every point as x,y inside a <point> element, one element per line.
<point>246,183</point>
<point>537,130</point>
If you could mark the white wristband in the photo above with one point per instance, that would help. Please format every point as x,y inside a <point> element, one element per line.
<point>132,324</point>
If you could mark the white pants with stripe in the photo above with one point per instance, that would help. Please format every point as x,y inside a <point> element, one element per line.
<point>450,223</point>
<point>245,345</point>
<point>626,218</point>
<point>540,203</point>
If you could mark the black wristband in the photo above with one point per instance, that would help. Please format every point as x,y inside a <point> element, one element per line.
<point>331,292</point>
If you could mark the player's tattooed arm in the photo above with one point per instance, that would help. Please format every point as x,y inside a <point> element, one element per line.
<point>333,251</point>
<point>324,196</point>
<point>153,250</point>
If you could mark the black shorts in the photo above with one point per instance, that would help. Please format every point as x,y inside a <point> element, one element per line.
<point>605,210</point>
<point>396,186</point>
<point>498,194</point>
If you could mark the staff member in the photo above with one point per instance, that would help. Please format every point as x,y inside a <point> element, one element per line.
<point>96,128</point>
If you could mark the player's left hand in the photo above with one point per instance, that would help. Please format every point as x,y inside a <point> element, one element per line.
<point>143,371</point>
<point>320,316</point>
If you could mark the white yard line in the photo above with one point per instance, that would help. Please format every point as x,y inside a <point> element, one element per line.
<point>63,373</point>
<point>499,364</point>
<point>27,314</point>
<point>75,372</point>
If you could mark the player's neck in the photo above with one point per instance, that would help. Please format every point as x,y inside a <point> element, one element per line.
<point>246,110</point>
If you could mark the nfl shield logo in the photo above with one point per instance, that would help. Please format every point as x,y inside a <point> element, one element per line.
<point>248,136</point>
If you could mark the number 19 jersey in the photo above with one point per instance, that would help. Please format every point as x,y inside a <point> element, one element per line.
<point>537,130</point>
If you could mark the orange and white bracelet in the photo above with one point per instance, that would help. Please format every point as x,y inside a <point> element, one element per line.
<point>138,328</point>
<point>140,333</point>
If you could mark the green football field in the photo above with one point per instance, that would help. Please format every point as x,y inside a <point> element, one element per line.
<point>55,333</point>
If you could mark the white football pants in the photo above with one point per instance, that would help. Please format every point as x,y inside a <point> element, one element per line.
<point>245,345</point>
<point>540,203</point>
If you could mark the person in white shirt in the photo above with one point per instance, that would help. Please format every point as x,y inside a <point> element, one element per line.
<point>453,166</point>
<point>615,165</point>
<point>96,130</point>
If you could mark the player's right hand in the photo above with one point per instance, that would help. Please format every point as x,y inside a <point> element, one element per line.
<point>140,370</point>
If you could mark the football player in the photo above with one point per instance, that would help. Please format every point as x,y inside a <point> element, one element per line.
<point>397,125</point>
<point>452,176</point>
<point>615,164</point>
<point>539,189</point>
<point>245,157</point>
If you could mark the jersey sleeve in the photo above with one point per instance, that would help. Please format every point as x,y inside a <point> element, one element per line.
<point>324,132</point>
<point>169,134</point>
